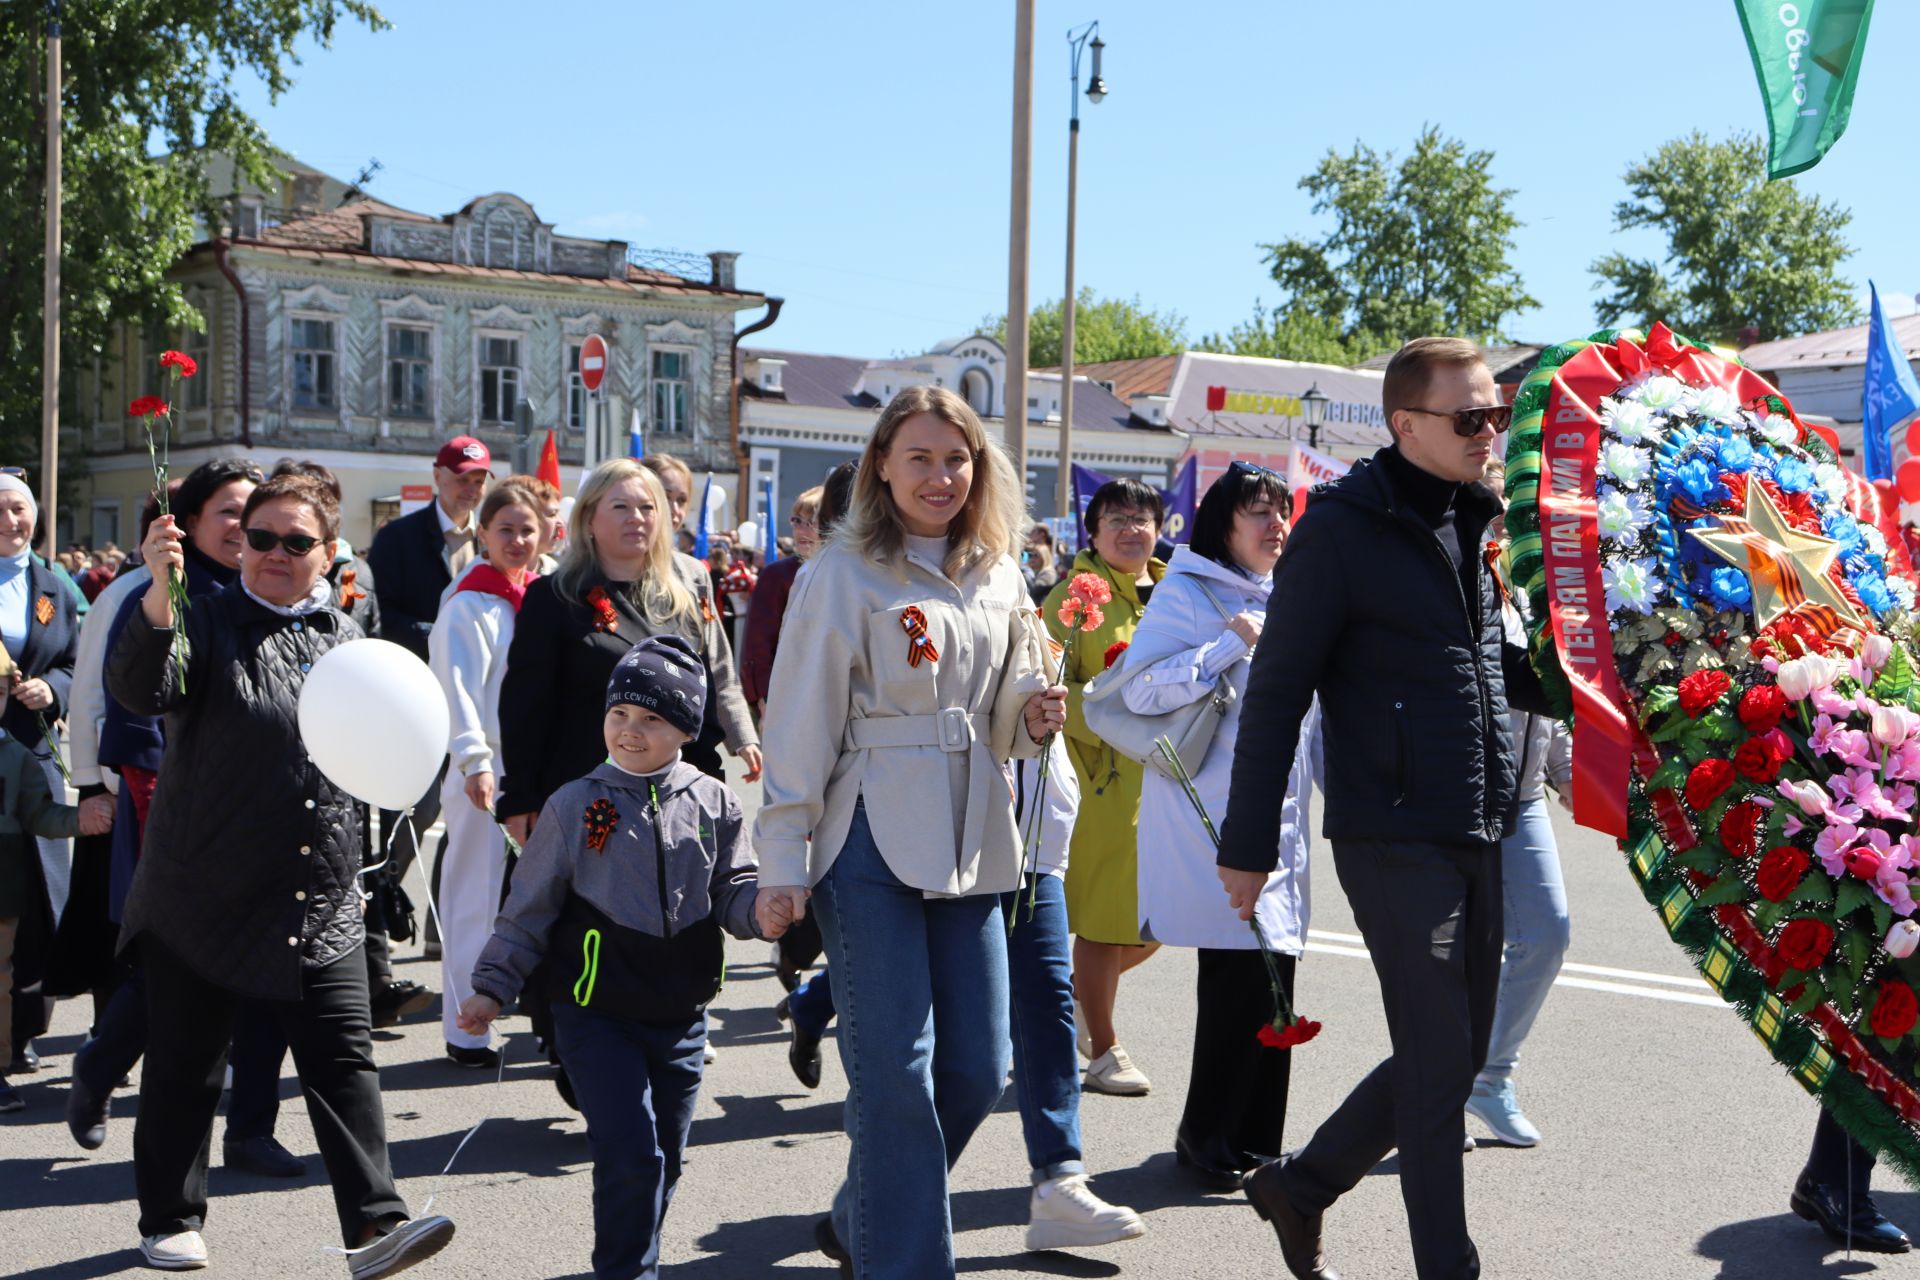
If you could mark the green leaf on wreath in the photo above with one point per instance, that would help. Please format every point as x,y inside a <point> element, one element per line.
<point>1851,896</point>
<point>1809,996</point>
<point>1720,726</point>
<point>1671,773</point>
<point>1895,681</point>
<point>1728,888</point>
<point>1768,914</point>
<point>1858,949</point>
<point>1678,727</point>
<point>1842,998</point>
<point>1703,858</point>
<point>1890,1043</point>
<point>1660,699</point>
<point>1815,888</point>
<point>1882,917</point>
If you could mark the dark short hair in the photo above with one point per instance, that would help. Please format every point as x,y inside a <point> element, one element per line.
<point>302,488</point>
<point>304,467</point>
<point>1125,492</point>
<point>210,478</point>
<point>836,492</point>
<point>1238,489</point>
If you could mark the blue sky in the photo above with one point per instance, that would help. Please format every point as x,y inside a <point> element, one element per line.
<point>855,154</point>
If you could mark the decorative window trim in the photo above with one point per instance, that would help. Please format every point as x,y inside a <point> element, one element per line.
<point>503,317</point>
<point>412,309</point>
<point>519,339</point>
<point>691,351</point>
<point>574,328</point>
<point>673,333</point>
<point>315,297</point>
<point>313,413</point>
<point>388,323</point>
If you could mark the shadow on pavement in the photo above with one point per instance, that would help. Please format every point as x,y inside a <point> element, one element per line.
<point>1157,1182</point>
<point>67,1181</point>
<point>1047,1263</point>
<point>505,1144</point>
<point>754,1247</point>
<point>1781,1245</point>
<point>111,1263</point>
<point>764,1116</point>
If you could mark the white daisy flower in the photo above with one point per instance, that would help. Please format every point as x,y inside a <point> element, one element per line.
<point>1876,541</point>
<point>1902,591</point>
<point>1631,584</point>
<point>1717,404</point>
<point>1779,430</point>
<point>1628,420</point>
<point>1661,394</point>
<point>1626,465</point>
<point>1623,515</point>
<point>1832,482</point>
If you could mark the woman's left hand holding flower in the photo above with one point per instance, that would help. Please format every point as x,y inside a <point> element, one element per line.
<point>34,694</point>
<point>1046,712</point>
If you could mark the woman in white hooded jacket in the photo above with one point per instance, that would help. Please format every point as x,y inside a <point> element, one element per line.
<point>1205,618</point>
<point>468,653</point>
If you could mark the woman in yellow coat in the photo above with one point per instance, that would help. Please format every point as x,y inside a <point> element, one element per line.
<point>1123,520</point>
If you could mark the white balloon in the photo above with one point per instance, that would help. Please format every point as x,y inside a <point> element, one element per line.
<point>374,721</point>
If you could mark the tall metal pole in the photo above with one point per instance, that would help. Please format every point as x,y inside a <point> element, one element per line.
<point>1017,238</point>
<point>50,337</point>
<point>1065,490</point>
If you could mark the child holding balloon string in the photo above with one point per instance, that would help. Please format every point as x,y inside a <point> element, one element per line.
<point>624,887</point>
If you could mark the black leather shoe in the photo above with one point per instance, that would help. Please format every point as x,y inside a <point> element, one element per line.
<point>10,1099</point>
<point>398,1000</point>
<point>24,1063</point>
<point>262,1156</point>
<point>86,1115</point>
<point>803,1055</point>
<point>786,973</point>
<point>1299,1233</point>
<point>828,1243</point>
<point>479,1059</point>
<point>565,1087</point>
<point>1213,1165</point>
<point>1864,1228</point>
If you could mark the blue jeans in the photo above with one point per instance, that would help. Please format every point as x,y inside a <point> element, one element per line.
<point>1537,934</point>
<point>1046,1071</point>
<point>922,988</point>
<point>636,1083</point>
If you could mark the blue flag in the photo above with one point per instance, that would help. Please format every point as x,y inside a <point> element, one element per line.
<point>1891,395</point>
<point>636,439</point>
<point>706,521</point>
<point>769,537</point>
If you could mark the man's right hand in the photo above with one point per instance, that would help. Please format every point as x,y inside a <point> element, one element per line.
<point>520,827</point>
<point>1243,888</point>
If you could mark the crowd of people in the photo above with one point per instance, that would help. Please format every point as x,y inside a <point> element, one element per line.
<point>916,686</point>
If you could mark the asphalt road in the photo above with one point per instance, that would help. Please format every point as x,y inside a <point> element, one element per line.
<point>1670,1142</point>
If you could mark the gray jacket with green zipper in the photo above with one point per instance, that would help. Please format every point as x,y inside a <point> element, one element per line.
<point>623,889</point>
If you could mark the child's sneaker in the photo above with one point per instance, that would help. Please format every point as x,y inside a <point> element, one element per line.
<point>177,1251</point>
<point>414,1240</point>
<point>1065,1214</point>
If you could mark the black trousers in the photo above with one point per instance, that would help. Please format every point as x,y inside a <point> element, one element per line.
<point>1431,916</point>
<point>1836,1159</point>
<point>1237,1093</point>
<point>329,1030</point>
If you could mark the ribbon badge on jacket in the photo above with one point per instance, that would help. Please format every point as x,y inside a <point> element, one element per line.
<point>919,643</point>
<point>601,821</point>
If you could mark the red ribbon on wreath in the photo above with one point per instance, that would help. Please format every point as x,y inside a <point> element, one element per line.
<point>919,643</point>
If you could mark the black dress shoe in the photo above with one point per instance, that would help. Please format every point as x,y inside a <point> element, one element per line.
<point>1860,1225</point>
<point>10,1099</point>
<point>1299,1233</point>
<point>1213,1164</point>
<point>24,1063</point>
<point>565,1087</point>
<point>786,973</point>
<point>262,1156</point>
<point>481,1058</point>
<point>803,1055</point>
<point>398,1000</point>
<point>86,1114</point>
<point>828,1242</point>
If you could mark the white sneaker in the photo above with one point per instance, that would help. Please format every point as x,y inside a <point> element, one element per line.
<point>1082,1038</point>
<point>1065,1214</point>
<point>181,1251</point>
<point>1113,1072</point>
<point>709,1054</point>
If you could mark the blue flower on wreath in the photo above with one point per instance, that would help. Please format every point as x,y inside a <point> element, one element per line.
<point>1700,481</point>
<point>1736,454</point>
<point>1728,588</point>
<point>1793,476</point>
<point>1873,592</point>
<point>1844,530</point>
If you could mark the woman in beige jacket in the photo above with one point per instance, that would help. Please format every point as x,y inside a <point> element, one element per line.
<point>911,648</point>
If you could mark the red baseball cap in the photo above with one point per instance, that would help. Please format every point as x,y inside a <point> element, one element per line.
<point>463,454</point>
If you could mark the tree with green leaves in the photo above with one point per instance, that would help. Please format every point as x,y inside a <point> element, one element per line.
<point>161,71</point>
<point>1741,251</point>
<point>1103,329</point>
<point>1294,334</point>
<point>1420,246</point>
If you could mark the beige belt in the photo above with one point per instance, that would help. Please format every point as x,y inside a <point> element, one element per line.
<point>951,729</point>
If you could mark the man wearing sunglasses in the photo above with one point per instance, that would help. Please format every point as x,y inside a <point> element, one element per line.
<point>1414,676</point>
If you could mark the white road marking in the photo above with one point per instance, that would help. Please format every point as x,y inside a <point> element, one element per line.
<point>1353,946</point>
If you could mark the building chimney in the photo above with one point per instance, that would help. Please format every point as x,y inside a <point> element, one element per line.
<point>1150,409</point>
<point>723,269</point>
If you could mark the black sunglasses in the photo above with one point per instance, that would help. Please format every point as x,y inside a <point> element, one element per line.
<point>1241,467</point>
<point>1468,423</point>
<point>297,544</point>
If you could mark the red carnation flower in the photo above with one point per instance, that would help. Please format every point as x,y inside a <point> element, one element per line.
<point>1894,1012</point>
<point>1762,708</point>
<point>1299,1031</point>
<point>1090,587</point>
<point>1780,872</point>
<point>1701,690</point>
<point>1757,760</point>
<point>1114,651</point>
<point>146,407</point>
<point>180,360</point>
<point>1740,828</point>
<point>606,618</point>
<point>1707,780</point>
<point>1804,944</point>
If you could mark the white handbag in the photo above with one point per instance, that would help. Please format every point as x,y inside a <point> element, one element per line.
<point>1190,728</point>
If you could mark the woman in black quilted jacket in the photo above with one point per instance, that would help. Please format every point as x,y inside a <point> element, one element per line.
<point>245,887</point>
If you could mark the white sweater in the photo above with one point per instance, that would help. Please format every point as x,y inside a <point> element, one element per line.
<point>467,650</point>
<point>87,701</point>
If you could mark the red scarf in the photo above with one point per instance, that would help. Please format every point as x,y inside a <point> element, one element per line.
<point>488,580</point>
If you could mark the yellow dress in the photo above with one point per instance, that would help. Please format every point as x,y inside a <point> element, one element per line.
<point>1103,883</point>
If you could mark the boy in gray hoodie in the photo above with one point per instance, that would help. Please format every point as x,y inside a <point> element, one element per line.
<point>623,888</point>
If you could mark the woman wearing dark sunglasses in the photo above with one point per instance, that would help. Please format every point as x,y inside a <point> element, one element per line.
<point>247,886</point>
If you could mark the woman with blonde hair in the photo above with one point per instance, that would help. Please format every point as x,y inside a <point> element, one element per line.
<point>911,647</point>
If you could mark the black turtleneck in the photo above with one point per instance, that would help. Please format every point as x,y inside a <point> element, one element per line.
<point>1431,499</point>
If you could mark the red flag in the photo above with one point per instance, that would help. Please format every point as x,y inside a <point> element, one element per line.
<point>550,461</point>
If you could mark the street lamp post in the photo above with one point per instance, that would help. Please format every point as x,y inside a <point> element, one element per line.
<point>1085,37</point>
<point>1313,407</point>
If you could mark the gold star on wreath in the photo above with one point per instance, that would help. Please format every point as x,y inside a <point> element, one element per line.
<point>1788,568</point>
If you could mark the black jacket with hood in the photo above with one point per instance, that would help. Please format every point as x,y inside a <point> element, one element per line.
<point>1371,610</point>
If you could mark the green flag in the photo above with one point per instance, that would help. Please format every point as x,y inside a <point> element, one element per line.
<point>1807,56</point>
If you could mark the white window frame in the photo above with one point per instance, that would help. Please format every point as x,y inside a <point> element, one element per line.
<point>388,406</point>
<point>655,384</point>
<point>519,367</point>
<point>576,394</point>
<point>337,321</point>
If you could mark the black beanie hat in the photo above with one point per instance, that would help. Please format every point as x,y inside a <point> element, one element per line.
<point>664,675</point>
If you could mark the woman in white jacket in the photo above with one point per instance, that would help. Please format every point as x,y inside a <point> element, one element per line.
<point>1198,631</point>
<point>468,653</point>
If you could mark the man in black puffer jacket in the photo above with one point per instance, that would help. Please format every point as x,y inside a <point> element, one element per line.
<point>1385,606</point>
